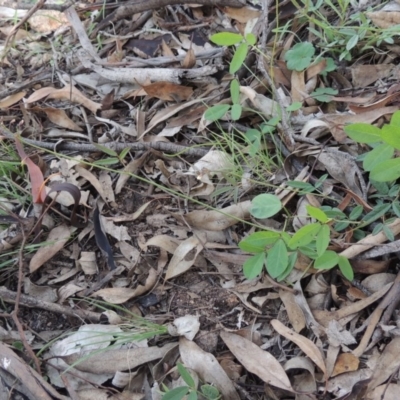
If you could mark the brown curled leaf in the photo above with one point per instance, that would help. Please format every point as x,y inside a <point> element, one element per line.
<point>35,174</point>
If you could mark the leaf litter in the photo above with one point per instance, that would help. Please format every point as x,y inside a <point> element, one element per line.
<point>178,177</point>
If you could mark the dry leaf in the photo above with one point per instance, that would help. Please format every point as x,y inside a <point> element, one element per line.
<point>306,345</point>
<point>257,361</point>
<point>57,239</point>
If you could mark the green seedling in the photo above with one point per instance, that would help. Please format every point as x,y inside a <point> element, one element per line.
<point>207,392</point>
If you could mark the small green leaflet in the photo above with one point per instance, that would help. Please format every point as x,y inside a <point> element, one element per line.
<point>317,213</point>
<point>388,232</point>
<point>304,235</point>
<point>363,133</point>
<point>379,154</point>
<point>376,213</point>
<point>257,241</point>
<point>323,239</point>
<point>226,38</point>
<point>345,268</point>
<point>176,394</point>
<point>386,171</point>
<point>186,376</point>
<point>324,95</point>
<point>192,395</point>
<point>352,42</point>
<point>265,206</point>
<point>391,135</point>
<point>106,150</point>
<point>236,112</point>
<point>327,260</point>
<point>277,259</point>
<point>235,91</point>
<point>210,392</point>
<point>251,39</point>
<point>216,112</point>
<point>238,58</point>
<point>356,212</point>
<point>253,266</point>
<point>299,57</point>
<point>395,120</point>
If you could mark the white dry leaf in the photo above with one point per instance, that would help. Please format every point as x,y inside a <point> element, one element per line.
<point>215,162</point>
<point>165,242</point>
<point>306,345</point>
<point>207,367</point>
<point>84,173</point>
<point>342,384</point>
<point>344,169</point>
<point>268,107</point>
<point>301,218</point>
<point>121,359</point>
<point>68,290</point>
<point>184,256</point>
<point>88,338</point>
<point>217,220</point>
<point>129,170</point>
<point>257,361</point>
<point>384,392</point>
<point>57,239</point>
<point>186,326</point>
<point>88,263</point>
<point>388,364</point>
<point>294,312</point>
<point>118,232</point>
<point>129,252</point>
<point>40,292</point>
<point>118,295</point>
<point>337,335</point>
<point>106,184</point>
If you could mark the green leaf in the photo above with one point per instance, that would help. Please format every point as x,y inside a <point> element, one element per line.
<point>391,135</point>
<point>363,133</point>
<point>377,212</point>
<point>388,232</point>
<point>185,374</point>
<point>379,154</point>
<point>216,112</point>
<point>352,42</point>
<point>317,213</point>
<point>107,161</point>
<point>294,106</point>
<point>377,228</point>
<point>254,266</point>
<point>226,38</point>
<point>301,185</point>
<point>277,259</point>
<point>123,153</point>
<point>327,260</point>
<point>258,241</point>
<point>211,392</point>
<point>323,239</point>
<point>192,395</point>
<point>251,39</point>
<point>356,212</point>
<point>238,58</point>
<point>106,150</point>
<point>386,171</point>
<point>235,91</point>
<point>395,120</point>
<point>346,268</point>
<point>304,235</point>
<point>236,112</point>
<point>176,394</point>
<point>396,208</point>
<point>265,206</point>
<point>299,57</point>
<point>289,268</point>
<point>324,95</point>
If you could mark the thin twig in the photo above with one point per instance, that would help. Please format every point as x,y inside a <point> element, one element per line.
<point>14,314</point>
<point>162,146</point>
